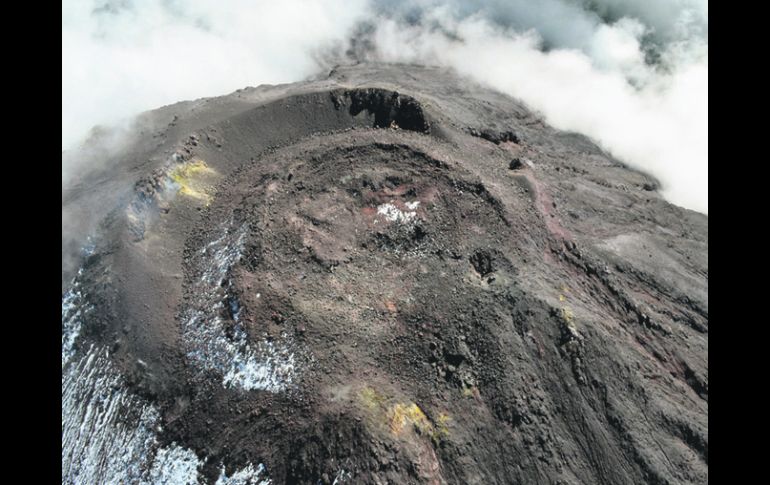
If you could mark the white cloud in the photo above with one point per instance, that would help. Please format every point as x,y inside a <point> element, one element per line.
<point>147,53</point>
<point>654,118</point>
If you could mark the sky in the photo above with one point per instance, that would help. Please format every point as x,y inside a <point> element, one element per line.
<point>630,74</point>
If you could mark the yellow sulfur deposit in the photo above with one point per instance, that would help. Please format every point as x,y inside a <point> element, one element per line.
<point>371,398</point>
<point>442,428</point>
<point>402,417</point>
<point>404,414</point>
<point>190,177</point>
<point>567,315</point>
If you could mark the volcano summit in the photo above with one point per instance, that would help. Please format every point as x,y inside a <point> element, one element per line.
<point>385,275</point>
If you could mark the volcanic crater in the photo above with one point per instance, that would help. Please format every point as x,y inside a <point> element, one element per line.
<point>349,280</point>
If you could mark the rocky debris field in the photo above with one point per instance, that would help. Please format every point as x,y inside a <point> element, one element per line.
<point>384,275</point>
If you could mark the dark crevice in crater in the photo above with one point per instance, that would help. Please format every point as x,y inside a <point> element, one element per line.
<point>482,262</point>
<point>389,108</point>
<point>494,136</point>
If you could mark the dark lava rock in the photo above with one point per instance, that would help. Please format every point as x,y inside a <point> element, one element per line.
<point>482,262</point>
<point>299,285</point>
<point>496,137</point>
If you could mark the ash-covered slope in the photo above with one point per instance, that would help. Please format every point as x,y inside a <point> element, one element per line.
<point>384,276</point>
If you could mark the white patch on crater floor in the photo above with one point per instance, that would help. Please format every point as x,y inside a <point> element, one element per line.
<point>73,309</point>
<point>109,436</point>
<point>342,476</point>
<point>394,214</point>
<point>267,367</point>
<point>174,465</point>
<point>249,365</point>
<point>246,476</point>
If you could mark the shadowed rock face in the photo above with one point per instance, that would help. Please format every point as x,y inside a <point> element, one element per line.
<point>348,280</point>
